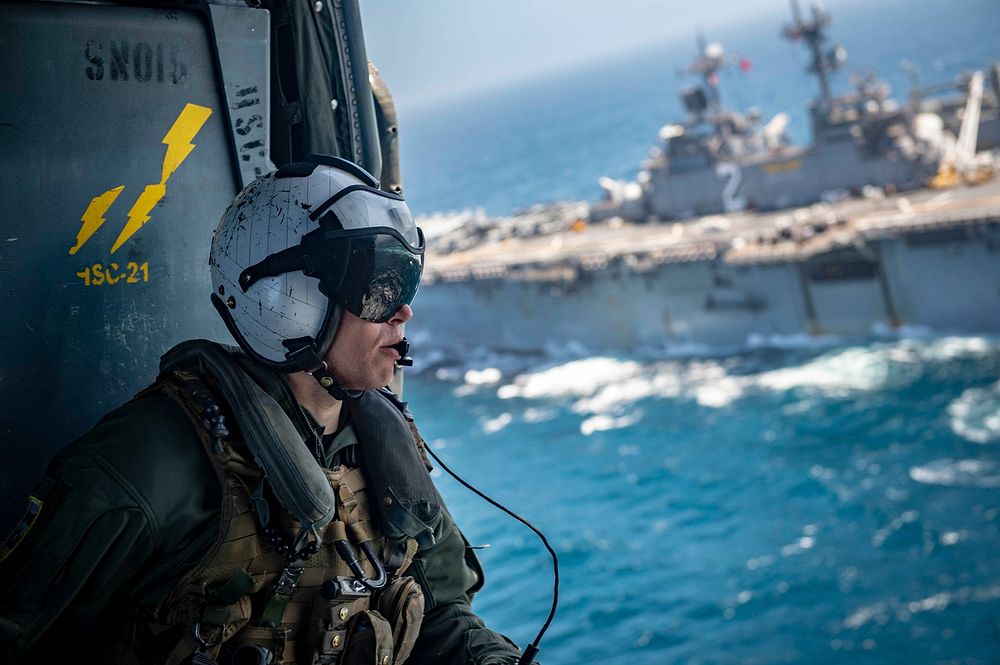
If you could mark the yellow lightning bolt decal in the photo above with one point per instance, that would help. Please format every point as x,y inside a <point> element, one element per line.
<point>179,146</point>
<point>93,216</point>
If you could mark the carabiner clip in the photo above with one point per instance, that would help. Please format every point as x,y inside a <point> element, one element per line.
<point>350,557</point>
<point>200,655</point>
<point>205,644</point>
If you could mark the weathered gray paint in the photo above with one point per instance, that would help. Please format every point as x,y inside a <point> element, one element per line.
<point>242,43</point>
<point>948,282</point>
<point>82,114</point>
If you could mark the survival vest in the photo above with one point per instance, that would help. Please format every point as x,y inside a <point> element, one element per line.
<point>309,562</point>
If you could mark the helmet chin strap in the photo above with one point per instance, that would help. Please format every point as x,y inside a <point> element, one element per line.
<point>305,354</point>
<point>302,351</point>
<point>329,383</point>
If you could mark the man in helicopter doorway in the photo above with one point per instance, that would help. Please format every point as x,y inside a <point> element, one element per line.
<point>268,504</point>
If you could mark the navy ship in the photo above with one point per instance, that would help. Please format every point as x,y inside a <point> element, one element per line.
<point>731,235</point>
<point>719,160</point>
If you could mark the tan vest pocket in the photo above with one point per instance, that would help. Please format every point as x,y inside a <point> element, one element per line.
<point>402,603</point>
<point>369,640</point>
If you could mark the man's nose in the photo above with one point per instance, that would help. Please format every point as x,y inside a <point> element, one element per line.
<point>402,315</point>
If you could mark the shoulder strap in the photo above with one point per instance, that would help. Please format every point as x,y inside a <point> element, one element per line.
<point>197,400</point>
<point>406,498</point>
<point>404,408</point>
<point>295,476</point>
<point>421,445</point>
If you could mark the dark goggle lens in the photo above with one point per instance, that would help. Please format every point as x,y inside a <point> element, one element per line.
<point>371,274</point>
<point>382,275</point>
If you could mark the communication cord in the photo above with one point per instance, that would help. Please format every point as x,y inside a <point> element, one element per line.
<point>531,650</point>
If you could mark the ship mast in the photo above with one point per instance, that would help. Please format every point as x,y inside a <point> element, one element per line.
<point>710,59</point>
<point>814,32</point>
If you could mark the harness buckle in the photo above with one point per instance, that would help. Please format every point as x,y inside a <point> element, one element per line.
<point>343,588</point>
<point>289,579</point>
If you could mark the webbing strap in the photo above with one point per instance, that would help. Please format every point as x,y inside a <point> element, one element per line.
<point>220,598</point>
<point>335,531</point>
<point>360,533</point>
<point>274,611</point>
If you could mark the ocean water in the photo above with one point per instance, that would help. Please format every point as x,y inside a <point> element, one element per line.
<point>823,505</point>
<point>816,503</point>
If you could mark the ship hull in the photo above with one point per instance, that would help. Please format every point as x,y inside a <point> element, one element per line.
<point>939,270</point>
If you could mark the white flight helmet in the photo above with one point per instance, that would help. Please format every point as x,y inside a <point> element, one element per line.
<point>300,243</point>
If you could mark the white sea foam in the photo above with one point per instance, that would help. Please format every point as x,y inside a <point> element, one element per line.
<point>577,378</point>
<point>881,535</point>
<point>797,341</point>
<point>951,348</point>
<point>721,392</point>
<point>961,473</point>
<point>483,377</point>
<point>494,425</point>
<point>605,385</point>
<point>799,546</point>
<point>907,343</point>
<point>873,366</point>
<point>610,386</point>
<point>975,414</point>
<point>949,538</point>
<point>536,415</point>
<point>602,423</point>
<point>630,390</point>
<point>851,369</point>
<point>864,614</point>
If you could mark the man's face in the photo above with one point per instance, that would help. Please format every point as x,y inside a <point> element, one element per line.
<point>360,356</point>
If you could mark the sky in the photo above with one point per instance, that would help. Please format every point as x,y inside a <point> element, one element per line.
<point>437,48</point>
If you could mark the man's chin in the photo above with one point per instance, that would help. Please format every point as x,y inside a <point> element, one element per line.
<point>371,383</point>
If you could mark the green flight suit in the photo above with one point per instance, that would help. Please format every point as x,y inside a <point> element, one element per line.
<point>134,504</point>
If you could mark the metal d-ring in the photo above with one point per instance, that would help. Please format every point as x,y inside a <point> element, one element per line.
<point>205,644</point>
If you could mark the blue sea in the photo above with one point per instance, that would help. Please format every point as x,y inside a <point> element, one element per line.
<point>808,506</point>
<point>820,503</point>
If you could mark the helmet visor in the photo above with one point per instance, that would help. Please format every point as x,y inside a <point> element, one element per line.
<point>381,274</point>
<point>371,272</point>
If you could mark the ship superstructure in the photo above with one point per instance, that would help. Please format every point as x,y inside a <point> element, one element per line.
<point>721,161</point>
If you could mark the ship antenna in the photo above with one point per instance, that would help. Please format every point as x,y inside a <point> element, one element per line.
<point>814,32</point>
